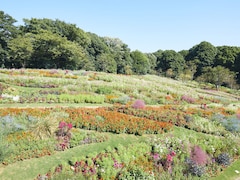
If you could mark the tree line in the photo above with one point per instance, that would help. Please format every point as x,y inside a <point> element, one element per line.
<point>55,44</point>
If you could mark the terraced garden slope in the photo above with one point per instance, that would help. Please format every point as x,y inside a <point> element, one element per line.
<point>60,124</point>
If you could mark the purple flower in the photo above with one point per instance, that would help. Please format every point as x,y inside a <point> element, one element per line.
<point>155,156</point>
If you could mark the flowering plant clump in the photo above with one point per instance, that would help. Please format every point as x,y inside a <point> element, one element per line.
<point>138,104</point>
<point>199,156</point>
<point>63,136</point>
<point>169,161</point>
<point>223,159</point>
<point>188,99</point>
<point>195,169</point>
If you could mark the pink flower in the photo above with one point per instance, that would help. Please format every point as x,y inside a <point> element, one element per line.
<point>169,158</point>
<point>62,124</point>
<point>70,126</point>
<point>173,153</point>
<point>155,156</point>
<point>138,104</point>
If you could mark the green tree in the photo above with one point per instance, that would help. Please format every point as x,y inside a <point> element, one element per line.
<point>237,67</point>
<point>53,51</point>
<point>20,51</point>
<point>70,31</point>
<point>218,76</point>
<point>226,56</point>
<point>153,62</point>
<point>96,46</point>
<point>121,53</point>
<point>184,53</point>
<point>203,55</point>
<point>106,63</point>
<point>140,64</point>
<point>7,32</point>
<point>171,62</point>
<point>158,55</point>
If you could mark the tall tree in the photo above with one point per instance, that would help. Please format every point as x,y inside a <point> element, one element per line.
<point>203,55</point>
<point>171,62</point>
<point>226,56</point>
<point>53,51</point>
<point>153,62</point>
<point>70,31</point>
<point>20,51</point>
<point>218,76</point>
<point>7,32</point>
<point>140,64</point>
<point>237,67</point>
<point>121,53</point>
<point>106,63</point>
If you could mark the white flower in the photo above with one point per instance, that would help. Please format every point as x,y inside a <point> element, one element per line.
<point>236,171</point>
<point>15,98</point>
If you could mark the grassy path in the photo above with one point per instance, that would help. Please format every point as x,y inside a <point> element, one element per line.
<point>29,169</point>
<point>229,173</point>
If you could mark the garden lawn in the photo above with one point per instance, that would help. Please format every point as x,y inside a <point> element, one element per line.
<point>29,169</point>
<point>229,173</point>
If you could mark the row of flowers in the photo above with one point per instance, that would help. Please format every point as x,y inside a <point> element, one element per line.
<point>99,119</point>
<point>103,120</point>
<point>161,159</point>
<point>211,117</point>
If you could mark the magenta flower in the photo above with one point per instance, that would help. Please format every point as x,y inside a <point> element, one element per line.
<point>173,153</point>
<point>62,124</point>
<point>69,126</point>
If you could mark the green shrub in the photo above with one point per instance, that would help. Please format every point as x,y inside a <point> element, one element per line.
<point>103,90</point>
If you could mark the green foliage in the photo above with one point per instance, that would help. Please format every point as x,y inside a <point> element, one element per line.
<point>21,50</point>
<point>227,56</point>
<point>170,61</point>
<point>103,90</point>
<point>218,76</point>
<point>54,51</point>
<point>5,148</point>
<point>140,62</point>
<point>7,31</point>
<point>80,98</point>
<point>203,54</point>
<point>120,52</point>
<point>46,43</point>
<point>105,62</point>
<point>86,137</point>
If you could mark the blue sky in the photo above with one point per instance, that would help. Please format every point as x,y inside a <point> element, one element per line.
<point>145,25</point>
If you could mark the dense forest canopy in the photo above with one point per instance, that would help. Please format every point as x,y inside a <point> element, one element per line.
<point>54,44</point>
